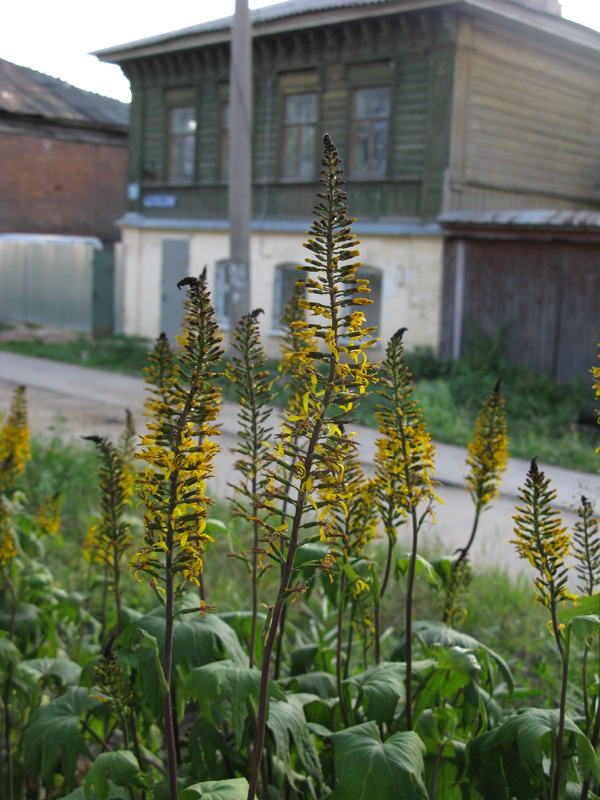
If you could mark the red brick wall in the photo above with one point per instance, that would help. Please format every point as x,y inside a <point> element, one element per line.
<point>48,185</point>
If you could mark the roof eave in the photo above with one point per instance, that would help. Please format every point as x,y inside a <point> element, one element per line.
<point>189,38</point>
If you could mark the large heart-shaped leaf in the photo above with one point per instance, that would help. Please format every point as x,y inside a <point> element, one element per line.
<point>226,681</point>
<point>384,687</point>
<point>431,632</point>
<point>196,639</point>
<point>320,683</point>
<point>9,654</point>
<point>508,761</point>
<point>369,769</point>
<point>120,768</point>
<point>52,737</point>
<point>62,670</point>
<point>287,723</point>
<point>232,789</point>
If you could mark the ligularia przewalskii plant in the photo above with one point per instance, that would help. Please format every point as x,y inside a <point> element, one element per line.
<point>297,694</point>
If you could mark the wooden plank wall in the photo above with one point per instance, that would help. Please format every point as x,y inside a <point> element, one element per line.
<point>412,53</point>
<point>526,124</point>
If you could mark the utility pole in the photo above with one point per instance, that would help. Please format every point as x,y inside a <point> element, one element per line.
<point>240,163</point>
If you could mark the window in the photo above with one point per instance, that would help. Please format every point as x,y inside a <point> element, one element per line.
<point>181,144</point>
<point>221,293</point>
<point>370,116</point>
<point>372,311</point>
<point>299,126</point>
<point>286,276</point>
<point>224,129</point>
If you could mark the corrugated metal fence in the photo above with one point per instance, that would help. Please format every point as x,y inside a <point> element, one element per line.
<point>69,284</point>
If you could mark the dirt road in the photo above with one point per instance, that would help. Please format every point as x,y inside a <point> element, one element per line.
<point>73,401</point>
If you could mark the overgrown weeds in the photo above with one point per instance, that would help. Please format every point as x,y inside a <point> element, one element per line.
<point>343,669</point>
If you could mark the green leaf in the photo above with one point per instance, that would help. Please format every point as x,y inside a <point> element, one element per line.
<point>9,653</point>
<point>585,626</point>
<point>63,670</point>
<point>508,760</point>
<point>585,605</point>
<point>431,632</point>
<point>52,737</point>
<point>226,681</point>
<point>384,687</point>
<point>303,658</point>
<point>320,683</point>
<point>421,566</point>
<point>286,721</point>
<point>232,789</point>
<point>369,769</point>
<point>197,639</point>
<point>26,622</point>
<point>121,768</point>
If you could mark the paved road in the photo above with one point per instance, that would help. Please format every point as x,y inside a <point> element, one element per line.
<point>73,401</point>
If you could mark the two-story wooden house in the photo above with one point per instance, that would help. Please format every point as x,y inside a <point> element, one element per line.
<point>441,110</point>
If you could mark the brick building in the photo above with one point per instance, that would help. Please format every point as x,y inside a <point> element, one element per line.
<point>63,157</point>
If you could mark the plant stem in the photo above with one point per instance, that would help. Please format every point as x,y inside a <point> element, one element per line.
<point>7,732</point>
<point>454,573</point>
<point>168,661</point>
<point>563,700</point>
<point>436,769</point>
<point>409,608</point>
<point>286,575</point>
<point>338,660</point>
<point>585,788</point>
<point>386,577</point>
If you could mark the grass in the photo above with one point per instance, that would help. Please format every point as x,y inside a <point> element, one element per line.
<point>500,611</point>
<point>542,416</point>
<point>119,353</point>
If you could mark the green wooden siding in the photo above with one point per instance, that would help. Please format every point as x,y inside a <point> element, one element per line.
<point>335,62</point>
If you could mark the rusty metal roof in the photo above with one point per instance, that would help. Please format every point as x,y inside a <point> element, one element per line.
<point>24,91</point>
<point>532,218</point>
<point>261,17</point>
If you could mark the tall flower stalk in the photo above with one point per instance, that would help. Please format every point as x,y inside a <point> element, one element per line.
<point>358,523</point>
<point>179,451</point>
<point>250,379</point>
<point>308,458</point>
<point>543,540</point>
<point>111,534</point>
<point>487,458</point>
<point>404,467</point>
<point>15,447</point>
<point>586,549</point>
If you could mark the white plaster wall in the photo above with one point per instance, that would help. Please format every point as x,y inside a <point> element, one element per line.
<point>411,280</point>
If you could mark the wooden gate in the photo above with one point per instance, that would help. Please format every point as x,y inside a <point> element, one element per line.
<point>547,293</point>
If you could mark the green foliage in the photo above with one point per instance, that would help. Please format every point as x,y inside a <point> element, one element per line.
<point>234,789</point>
<point>119,353</point>
<point>53,739</point>
<point>356,705</point>
<point>508,761</point>
<point>113,769</point>
<point>375,770</point>
<point>226,682</point>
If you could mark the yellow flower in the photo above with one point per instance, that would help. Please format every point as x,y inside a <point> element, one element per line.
<point>488,451</point>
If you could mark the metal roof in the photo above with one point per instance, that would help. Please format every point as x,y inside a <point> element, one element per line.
<point>24,91</point>
<point>268,16</point>
<point>532,218</point>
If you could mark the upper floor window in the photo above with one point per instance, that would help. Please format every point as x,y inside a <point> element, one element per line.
<point>224,139</point>
<point>181,144</point>
<point>299,129</point>
<point>370,117</point>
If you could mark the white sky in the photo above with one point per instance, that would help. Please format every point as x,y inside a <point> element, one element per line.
<point>55,36</point>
